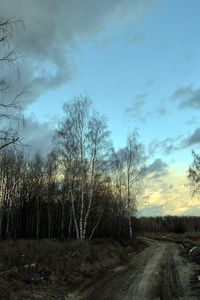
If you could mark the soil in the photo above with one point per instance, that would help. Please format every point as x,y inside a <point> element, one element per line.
<point>158,272</point>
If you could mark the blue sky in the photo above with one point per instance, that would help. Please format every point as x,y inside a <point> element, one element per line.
<point>137,60</point>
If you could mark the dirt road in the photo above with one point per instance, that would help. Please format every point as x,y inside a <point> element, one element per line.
<point>156,273</point>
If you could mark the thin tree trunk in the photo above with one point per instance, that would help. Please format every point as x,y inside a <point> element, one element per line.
<point>97,223</point>
<point>49,222</point>
<point>81,215</point>
<point>130,227</point>
<point>37,220</point>
<point>70,224</point>
<point>74,217</point>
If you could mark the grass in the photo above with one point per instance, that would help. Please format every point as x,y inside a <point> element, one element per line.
<point>48,269</point>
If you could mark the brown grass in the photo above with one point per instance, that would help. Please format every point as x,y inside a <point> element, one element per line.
<point>30,269</point>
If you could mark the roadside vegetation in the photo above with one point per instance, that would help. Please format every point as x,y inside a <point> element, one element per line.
<point>47,269</point>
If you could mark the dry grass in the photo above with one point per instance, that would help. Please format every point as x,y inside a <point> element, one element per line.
<point>30,269</point>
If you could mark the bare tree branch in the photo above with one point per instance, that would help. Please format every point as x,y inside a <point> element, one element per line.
<point>9,109</point>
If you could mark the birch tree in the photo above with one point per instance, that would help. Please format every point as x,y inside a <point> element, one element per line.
<point>51,178</point>
<point>130,170</point>
<point>82,140</point>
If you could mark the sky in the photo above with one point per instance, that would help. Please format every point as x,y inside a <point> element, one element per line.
<point>138,60</point>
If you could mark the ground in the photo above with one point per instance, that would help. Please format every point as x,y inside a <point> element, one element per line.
<point>160,268</point>
<point>158,272</point>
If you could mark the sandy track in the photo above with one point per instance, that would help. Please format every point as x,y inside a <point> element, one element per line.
<point>156,273</point>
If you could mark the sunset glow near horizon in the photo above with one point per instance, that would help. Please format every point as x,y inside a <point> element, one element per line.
<point>138,61</point>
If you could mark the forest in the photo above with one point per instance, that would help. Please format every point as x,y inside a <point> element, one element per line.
<point>83,188</point>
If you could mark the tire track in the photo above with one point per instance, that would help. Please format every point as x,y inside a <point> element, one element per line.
<point>156,273</point>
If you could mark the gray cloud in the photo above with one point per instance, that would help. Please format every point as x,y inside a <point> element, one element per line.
<point>157,169</point>
<point>193,139</point>
<point>172,144</point>
<point>121,154</point>
<point>135,110</point>
<point>167,146</point>
<point>166,187</point>
<point>192,121</point>
<point>37,136</point>
<point>54,30</point>
<point>187,97</point>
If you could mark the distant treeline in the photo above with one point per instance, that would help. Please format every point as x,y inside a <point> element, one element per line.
<point>177,224</point>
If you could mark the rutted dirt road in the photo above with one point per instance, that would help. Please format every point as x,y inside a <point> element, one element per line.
<point>156,273</point>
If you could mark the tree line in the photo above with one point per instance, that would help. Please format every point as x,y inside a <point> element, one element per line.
<point>83,189</point>
<point>177,224</point>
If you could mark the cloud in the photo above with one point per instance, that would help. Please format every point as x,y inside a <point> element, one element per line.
<point>171,144</point>
<point>54,30</point>
<point>187,97</point>
<point>120,155</point>
<point>167,146</point>
<point>157,169</point>
<point>192,121</point>
<point>193,139</point>
<point>135,110</point>
<point>166,187</point>
<point>37,136</point>
<point>170,195</point>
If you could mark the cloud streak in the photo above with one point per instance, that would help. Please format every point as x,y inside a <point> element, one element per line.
<point>157,169</point>
<point>192,139</point>
<point>187,97</point>
<point>136,110</point>
<point>171,144</point>
<point>167,146</point>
